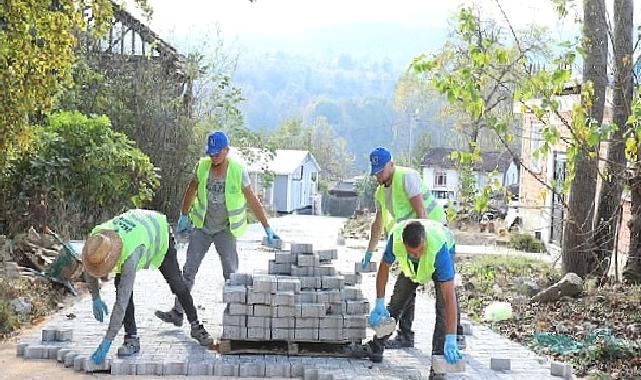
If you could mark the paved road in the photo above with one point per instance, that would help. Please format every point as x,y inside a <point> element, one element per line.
<point>168,344</point>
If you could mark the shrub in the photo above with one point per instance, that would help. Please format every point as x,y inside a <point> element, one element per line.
<point>526,242</point>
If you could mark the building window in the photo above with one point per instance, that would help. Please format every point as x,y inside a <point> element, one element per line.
<point>535,144</point>
<point>440,179</point>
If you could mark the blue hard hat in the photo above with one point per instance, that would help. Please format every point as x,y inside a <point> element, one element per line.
<point>216,142</point>
<point>378,158</point>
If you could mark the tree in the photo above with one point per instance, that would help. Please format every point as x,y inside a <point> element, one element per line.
<point>578,243</point>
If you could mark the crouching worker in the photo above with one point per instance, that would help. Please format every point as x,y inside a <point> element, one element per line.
<point>424,252</point>
<point>137,239</point>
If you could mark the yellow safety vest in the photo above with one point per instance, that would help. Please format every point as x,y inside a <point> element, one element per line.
<point>234,198</point>
<point>401,206</point>
<point>436,235</point>
<point>139,227</point>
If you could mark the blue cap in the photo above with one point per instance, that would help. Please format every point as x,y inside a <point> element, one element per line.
<point>216,142</point>
<point>378,158</point>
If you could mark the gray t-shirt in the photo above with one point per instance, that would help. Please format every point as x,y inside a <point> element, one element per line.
<point>216,218</point>
<point>411,184</point>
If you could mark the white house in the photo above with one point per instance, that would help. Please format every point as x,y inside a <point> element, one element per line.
<point>442,178</point>
<point>295,182</point>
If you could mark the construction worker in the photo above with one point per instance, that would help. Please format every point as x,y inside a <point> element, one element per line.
<point>424,251</point>
<point>400,195</point>
<point>137,239</point>
<point>216,200</point>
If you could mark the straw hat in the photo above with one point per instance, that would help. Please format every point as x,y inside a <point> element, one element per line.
<point>101,253</point>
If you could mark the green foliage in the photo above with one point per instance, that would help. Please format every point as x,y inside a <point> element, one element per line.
<point>81,171</point>
<point>9,321</point>
<point>527,243</point>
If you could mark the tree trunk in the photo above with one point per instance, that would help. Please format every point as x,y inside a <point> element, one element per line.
<point>578,243</point>
<point>612,186</point>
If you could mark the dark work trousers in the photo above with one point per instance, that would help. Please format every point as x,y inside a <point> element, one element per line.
<point>171,272</point>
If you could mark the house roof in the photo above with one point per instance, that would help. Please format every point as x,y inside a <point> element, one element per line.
<point>283,162</point>
<point>490,161</point>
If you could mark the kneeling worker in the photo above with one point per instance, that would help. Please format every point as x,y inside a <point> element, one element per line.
<point>424,251</point>
<point>137,239</point>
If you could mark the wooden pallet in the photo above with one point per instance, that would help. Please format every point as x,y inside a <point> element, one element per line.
<point>281,347</point>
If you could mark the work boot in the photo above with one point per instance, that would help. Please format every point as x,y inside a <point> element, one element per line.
<point>375,350</point>
<point>401,340</point>
<point>171,316</point>
<point>130,346</point>
<point>199,333</point>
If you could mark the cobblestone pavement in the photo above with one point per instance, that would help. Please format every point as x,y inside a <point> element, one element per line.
<point>169,350</point>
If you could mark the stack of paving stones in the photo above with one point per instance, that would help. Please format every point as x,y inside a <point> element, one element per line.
<point>300,299</point>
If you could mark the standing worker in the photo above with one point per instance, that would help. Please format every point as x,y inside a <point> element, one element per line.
<point>424,250</point>
<point>131,241</point>
<point>216,201</point>
<point>400,195</point>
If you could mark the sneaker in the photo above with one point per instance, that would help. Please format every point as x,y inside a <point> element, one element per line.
<point>171,316</point>
<point>399,341</point>
<point>199,333</point>
<point>129,347</point>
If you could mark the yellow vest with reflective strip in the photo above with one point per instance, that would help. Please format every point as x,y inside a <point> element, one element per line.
<point>401,206</point>
<point>139,227</point>
<point>234,198</point>
<point>436,235</point>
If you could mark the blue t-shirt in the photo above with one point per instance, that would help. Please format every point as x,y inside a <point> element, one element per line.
<point>443,265</point>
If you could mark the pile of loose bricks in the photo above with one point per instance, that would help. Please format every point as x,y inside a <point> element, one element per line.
<point>300,299</point>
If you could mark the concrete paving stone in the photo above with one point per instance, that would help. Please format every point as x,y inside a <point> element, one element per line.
<point>174,368</point>
<point>238,309</point>
<point>279,268</point>
<point>258,297</point>
<point>287,334</point>
<point>333,282</point>
<point>240,279</point>
<point>301,248</point>
<point>306,334</point>
<point>322,296</point>
<point>35,351</point>
<point>149,368</point>
<point>467,328</point>
<point>60,356</point>
<point>282,370</point>
<point>352,278</point>
<point>234,332</point>
<point>284,323</point>
<point>234,320</point>
<point>306,295</point>
<point>297,369</point>
<point>370,268</point>
<point>252,370</point>
<point>310,282</point>
<point>441,366</point>
<point>122,367</point>
<point>355,321</point>
<point>283,298</point>
<point>500,364</point>
<point>287,311</point>
<point>324,270</point>
<point>265,284</point>
<point>325,376</point>
<point>310,373</point>
<point>265,311</point>
<point>68,360</point>
<point>79,362</point>
<point>313,310</point>
<point>308,260</point>
<point>327,254</point>
<point>258,333</point>
<point>331,322</point>
<point>354,334</point>
<point>265,322</point>
<point>276,243</point>
<point>334,296</point>
<point>299,272</point>
<point>307,323</point>
<point>49,335</point>
<point>90,366</point>
<point>226,369</point>
<point>357,307</point>
<point>561,369</point>
<point>288,284</point>
<point>352,293</point>
<point>20,347</point>
<point>235,294</point>
<point>338,308</point>
<point>330,334</point>
<point>200,369</point>
<point>64,335</point>
<point>52,352</point>
<point>284,258</point>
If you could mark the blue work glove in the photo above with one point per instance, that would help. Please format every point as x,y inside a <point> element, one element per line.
<point>100,355</point>
<point>450,349</point>
<point>366,259</point>
<point>271,235</point>
<point>99,309</point>
<point>184,225</point>
<point>379,312</point>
